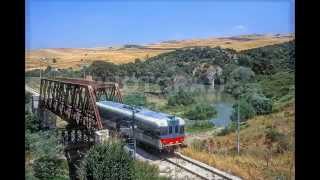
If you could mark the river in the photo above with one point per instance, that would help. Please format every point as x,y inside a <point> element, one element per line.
<point>223,104</point>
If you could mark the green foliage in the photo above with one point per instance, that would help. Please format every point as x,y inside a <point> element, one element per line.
<point>145,171</point>
<point>270,59</point>
<point>27,97</point>
<point>199,126</point>
<point>201,111</point>
<point>107,161</point>
<point>278,85</point>
<point>242,74</point>
<point>181,97</point>
<point>238,79</point>
<point>42,144</point>
<point>50,168</point>
<point>136,99</point>
<point>260,103</point>
<point>246,110</point>
<point>32,122</point>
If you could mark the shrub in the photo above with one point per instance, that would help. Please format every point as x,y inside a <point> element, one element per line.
<point>232,127</point>
<point>201,111</point>
<point>181,98</point>
<point>107,161</point>
<point>50,168</point>
<point>246,111</point>
<point>43,144</point>
<point>199,126</point>
<point>243,74</point>
<point>261,104</point>
<point>27,97</point>
<point>136,99</point>
<point>32,122</point>
<point>146,171</point>
<point>272,135</point>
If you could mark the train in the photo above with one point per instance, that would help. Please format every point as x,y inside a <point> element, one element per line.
<point>155,129</point>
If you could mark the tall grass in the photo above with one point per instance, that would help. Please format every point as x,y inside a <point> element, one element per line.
<point>266,148</point>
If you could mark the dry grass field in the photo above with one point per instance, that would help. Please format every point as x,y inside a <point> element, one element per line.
<point>260,158</point>
<point>76,57</point>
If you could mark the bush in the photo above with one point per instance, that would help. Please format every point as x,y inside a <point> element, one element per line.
<point>246,111</point>
<point>238,79</point>
<point>43,144</point>
<point>272,135</point>
<point>278,85</point>
<point>243,74</point>
<point>181,98</point>
<point>145,171</point>
<point>32,122</point>
<point>136,99</point>
<point>50,168</point>
<point>202,111</point>
<point>232,127</point>
<point>260,103</point>
<point>107,161</point>
<point>27,97</point>
<point>199,126</point>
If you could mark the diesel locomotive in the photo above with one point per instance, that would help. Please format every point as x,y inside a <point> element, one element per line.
<point>158,130</point>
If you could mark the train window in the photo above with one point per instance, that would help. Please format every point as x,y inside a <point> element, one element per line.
<point>170,129</point>
<point>177,129</point>
<point>182,129</point>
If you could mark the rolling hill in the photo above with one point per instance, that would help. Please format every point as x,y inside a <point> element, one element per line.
<point>77,57</point>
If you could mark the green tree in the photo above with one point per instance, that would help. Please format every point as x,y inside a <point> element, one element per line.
<point>246,111</point>
<point>260,103</point>
<point>181,97</point>
<point>201,111</point>
<point>32,122</point>
<point>136,99</point>
<point>43,143</point>
<point>50,168</point>
<point>107,161</point>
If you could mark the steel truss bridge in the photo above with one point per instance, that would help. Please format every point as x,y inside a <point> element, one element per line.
<point>74,100</point>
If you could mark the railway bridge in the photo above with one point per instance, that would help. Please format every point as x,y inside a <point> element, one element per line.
<point>74,101</point>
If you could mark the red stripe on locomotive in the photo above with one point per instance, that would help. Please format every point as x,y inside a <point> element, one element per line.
<point>172,140</point>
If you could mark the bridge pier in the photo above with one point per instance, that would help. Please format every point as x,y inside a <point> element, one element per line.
<point>47,120</point>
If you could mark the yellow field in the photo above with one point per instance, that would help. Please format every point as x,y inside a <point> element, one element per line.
<point>75,57</point>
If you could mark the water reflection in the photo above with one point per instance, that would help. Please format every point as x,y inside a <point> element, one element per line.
<point>223,103</point>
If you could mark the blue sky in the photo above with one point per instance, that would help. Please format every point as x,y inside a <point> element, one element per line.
<point>97,23</point>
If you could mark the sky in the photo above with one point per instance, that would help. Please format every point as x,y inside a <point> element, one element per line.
<point>98,23</point>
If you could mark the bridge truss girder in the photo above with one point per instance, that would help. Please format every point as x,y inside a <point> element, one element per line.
<point>74,100</point>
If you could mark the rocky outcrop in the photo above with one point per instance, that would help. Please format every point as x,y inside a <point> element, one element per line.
<point>207,73</point>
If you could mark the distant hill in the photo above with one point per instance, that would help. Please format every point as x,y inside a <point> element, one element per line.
<point>77,57</point>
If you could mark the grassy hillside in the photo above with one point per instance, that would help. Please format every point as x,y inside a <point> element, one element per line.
<point>267,148</point>
<point>76,57</point>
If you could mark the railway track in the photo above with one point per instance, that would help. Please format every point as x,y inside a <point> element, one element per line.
<point>201,170</point>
